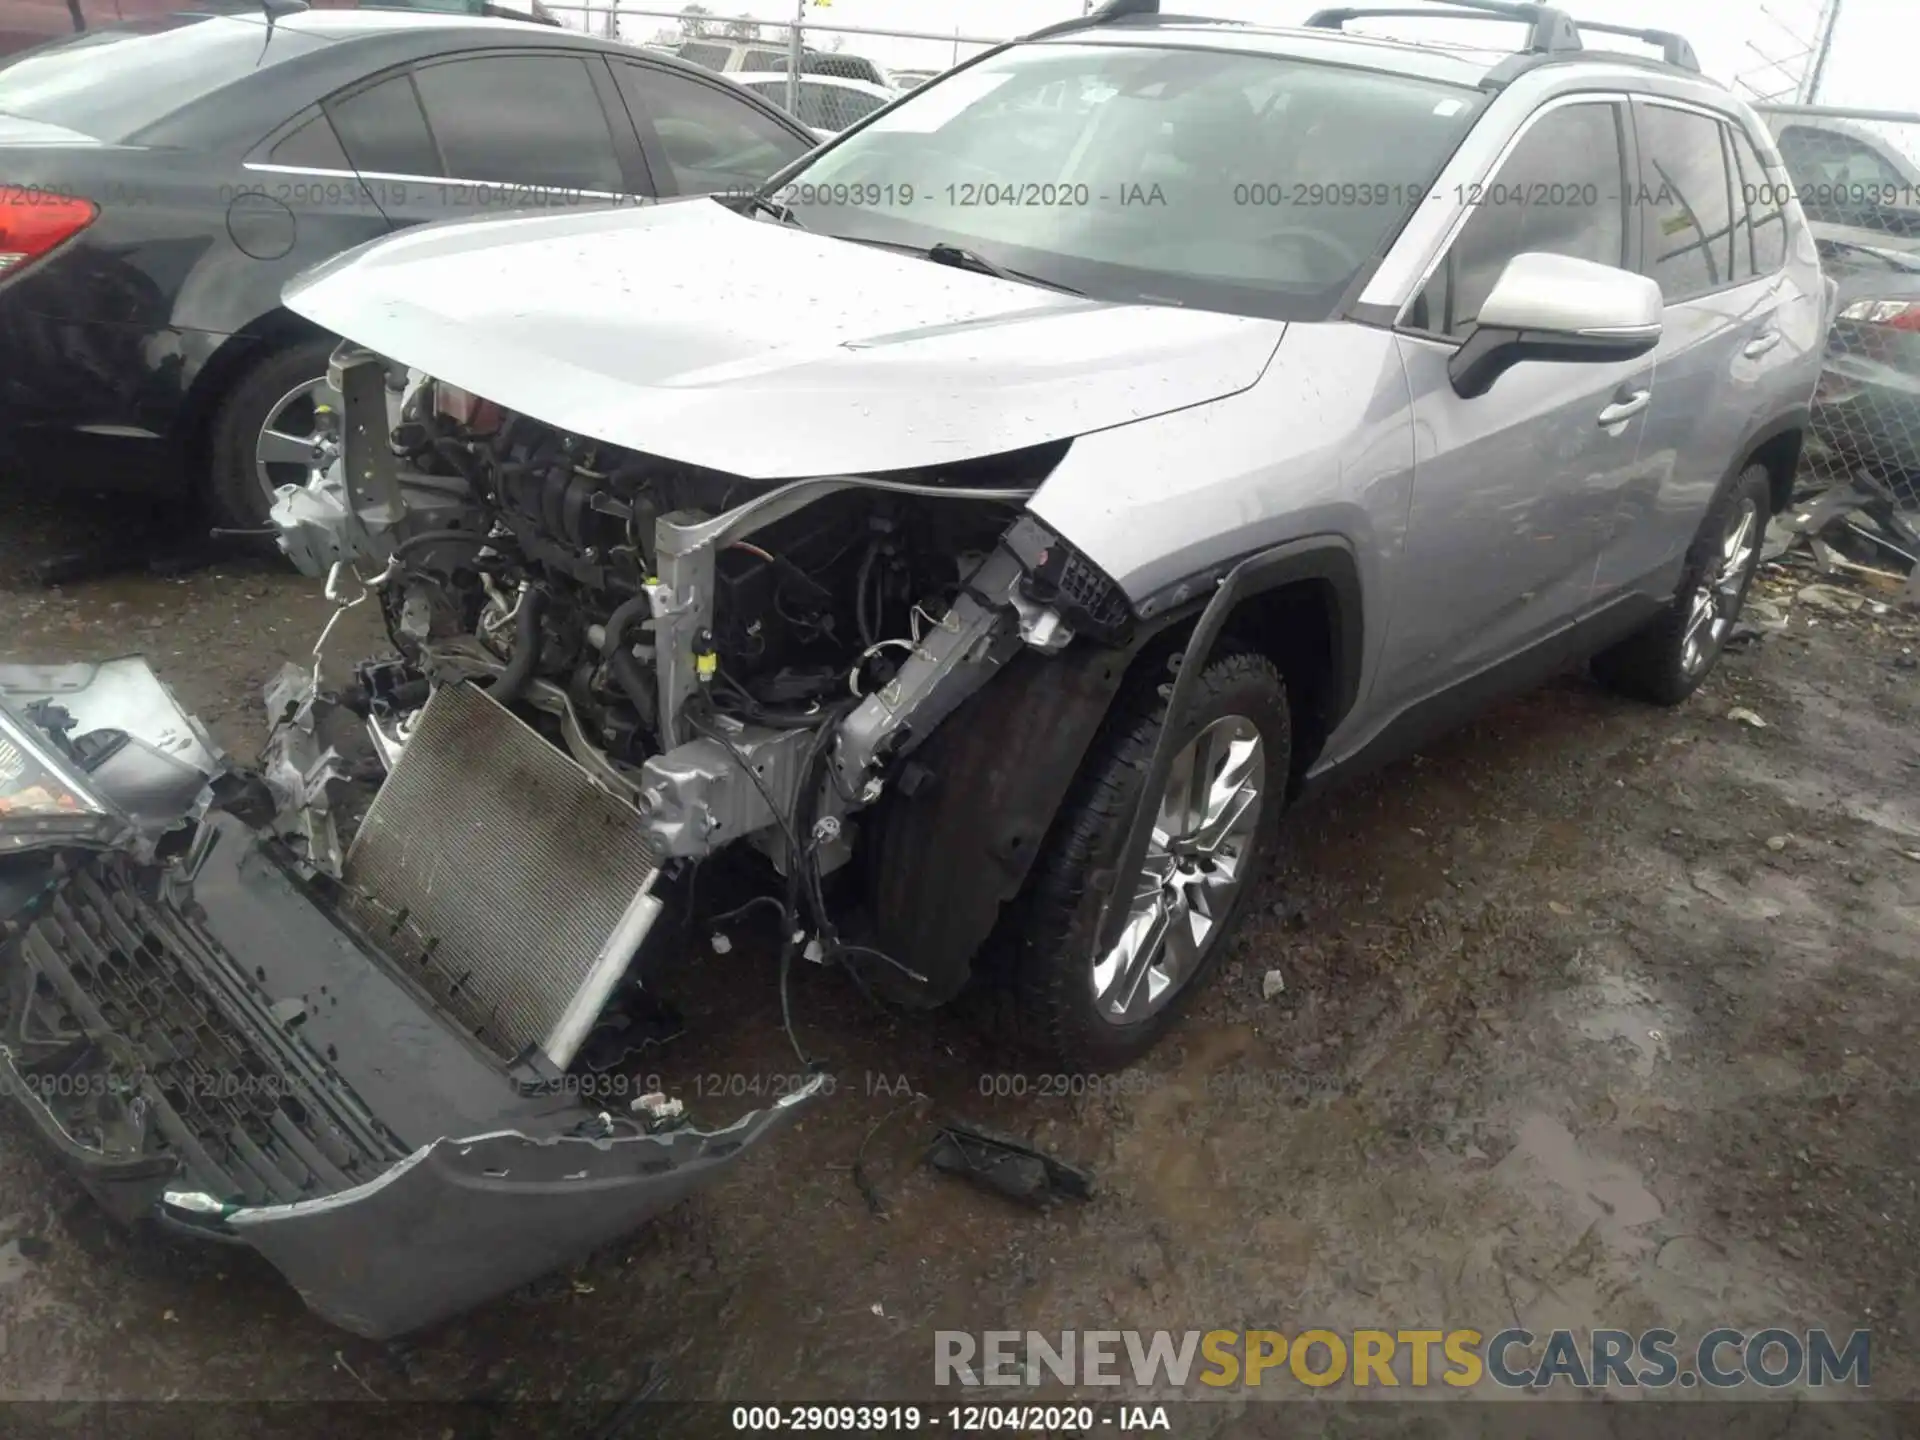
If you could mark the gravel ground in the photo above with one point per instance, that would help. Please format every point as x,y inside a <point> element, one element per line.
<point>1593,1014</point>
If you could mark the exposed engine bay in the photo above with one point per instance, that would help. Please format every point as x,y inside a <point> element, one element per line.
<point>721,659</point>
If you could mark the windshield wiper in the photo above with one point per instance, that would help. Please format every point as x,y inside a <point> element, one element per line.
<point>766,205</point>
<point>962,258</point>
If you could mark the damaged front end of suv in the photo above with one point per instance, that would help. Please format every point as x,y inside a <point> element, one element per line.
<point>362,1009</point>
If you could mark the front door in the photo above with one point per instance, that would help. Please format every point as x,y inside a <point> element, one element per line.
<point>1515,491</point>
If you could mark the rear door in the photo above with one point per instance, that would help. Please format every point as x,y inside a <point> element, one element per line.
<point>491,132</point>
<point>706,137</point>
<point>1721,351</point>
<point>302,170</point>
<point>1515,491</point>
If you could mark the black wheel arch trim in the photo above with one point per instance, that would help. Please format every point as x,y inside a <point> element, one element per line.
<point>1325,558</point>
<point>951,855</point>
<point>1798,420</point>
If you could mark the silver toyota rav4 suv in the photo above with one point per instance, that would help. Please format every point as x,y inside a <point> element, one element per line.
<point>975,539</point>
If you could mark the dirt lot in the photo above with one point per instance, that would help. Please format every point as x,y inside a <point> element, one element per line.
<point>1592,1015</point>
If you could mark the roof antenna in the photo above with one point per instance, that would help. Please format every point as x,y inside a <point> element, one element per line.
<point>274,9</point>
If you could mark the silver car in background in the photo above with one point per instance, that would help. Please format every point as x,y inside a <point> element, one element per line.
<point>972,541</point>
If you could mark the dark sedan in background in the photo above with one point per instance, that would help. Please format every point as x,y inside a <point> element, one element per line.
<point>161,181</point>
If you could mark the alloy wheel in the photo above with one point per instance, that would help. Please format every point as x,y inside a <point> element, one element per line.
<point>1716,602</point>
<point>301,432</point>
<point>1200,853</point>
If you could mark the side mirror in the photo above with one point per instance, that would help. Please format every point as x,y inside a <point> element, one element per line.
<point>1554,307</point>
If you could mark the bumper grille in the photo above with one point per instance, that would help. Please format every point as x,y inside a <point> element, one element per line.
<point>185,1055</point>
<point>493,869</point>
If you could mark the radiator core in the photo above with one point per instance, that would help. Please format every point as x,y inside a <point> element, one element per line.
<point>493,869</point>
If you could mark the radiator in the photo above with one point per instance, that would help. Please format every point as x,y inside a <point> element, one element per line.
<point>493,869</point>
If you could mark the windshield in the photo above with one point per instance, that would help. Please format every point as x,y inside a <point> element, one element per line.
<point>1249,183</point>
<point>822,107</point>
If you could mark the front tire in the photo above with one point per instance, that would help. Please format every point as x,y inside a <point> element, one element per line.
<point>265,431</point>
<point>1217,823</point>
<point>1669,659</point>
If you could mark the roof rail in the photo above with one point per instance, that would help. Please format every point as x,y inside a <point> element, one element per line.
<point>1674,49</point>
<point>1108,13</point>
<point>1552,31</point>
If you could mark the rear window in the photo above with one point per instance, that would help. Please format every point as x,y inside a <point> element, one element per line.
<point>114,82</point>
<point>710,57</point>
<point>824,107</point>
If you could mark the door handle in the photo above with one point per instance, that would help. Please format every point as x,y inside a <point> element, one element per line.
<point>1760,346</point>
<point>1626,409</point>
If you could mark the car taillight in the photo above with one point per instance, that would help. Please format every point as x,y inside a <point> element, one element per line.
<point>1897,314</point>
<point>33,221</point>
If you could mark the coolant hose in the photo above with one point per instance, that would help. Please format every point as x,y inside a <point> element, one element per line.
<point>526,648</point>
<point>628,673</point>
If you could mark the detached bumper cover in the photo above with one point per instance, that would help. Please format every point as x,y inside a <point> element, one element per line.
<point>462,1220</point>
<point>205,1045</point>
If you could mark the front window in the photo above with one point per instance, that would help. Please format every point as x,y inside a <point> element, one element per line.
<point>1240,182</point>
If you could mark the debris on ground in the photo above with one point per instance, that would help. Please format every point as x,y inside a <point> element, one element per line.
<point>1272,984</point>
<point>868,1190</point>
<point>1860,538</point>
<point>998,1162</point>
<point>1743,716</point>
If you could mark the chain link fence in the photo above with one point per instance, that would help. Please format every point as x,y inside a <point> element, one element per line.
<point>826,75</point>
<point>1857,176</point>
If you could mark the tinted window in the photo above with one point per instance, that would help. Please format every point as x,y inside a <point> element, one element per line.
<point>1560,192</point>
<point>383,129</point>
<point>765,60</point>
<point>529,119</point>
<point>1766,205</point>
<point>1689,210</point>
<point>111,84</point>
<point>713,139</point>
<point>313,146</point>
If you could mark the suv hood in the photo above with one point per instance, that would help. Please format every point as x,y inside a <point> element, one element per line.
<point>744,345</point>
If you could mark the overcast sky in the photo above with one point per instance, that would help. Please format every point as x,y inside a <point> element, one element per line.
<point>1871,66</point>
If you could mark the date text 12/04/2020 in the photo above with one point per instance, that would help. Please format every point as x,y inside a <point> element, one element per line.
<point>971,194</point>
<point>1255,193</point>
<point>953,1419</point>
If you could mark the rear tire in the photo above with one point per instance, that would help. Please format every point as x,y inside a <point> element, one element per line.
<point>1667,661</point>
<point>235,495</point>
<point>1049,983</point>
